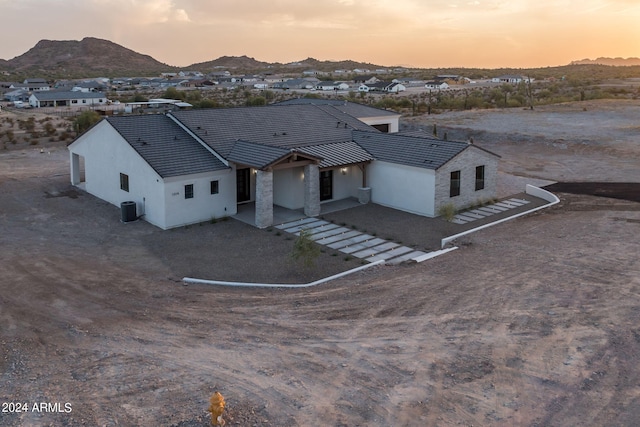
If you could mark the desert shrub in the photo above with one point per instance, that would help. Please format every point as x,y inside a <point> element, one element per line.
<point>447,211</point>
<point>305,249</point>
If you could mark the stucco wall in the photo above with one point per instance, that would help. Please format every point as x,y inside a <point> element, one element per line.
<point>288,188</point>
<point>106,155</point>
<point>392,121</point>
<point>204,206</point>
<point>346,185</point>
<point>406,188</point>
<point>466,163</point>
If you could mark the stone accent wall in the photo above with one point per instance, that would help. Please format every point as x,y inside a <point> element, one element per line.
<point>311,190</point>
<point>466,163</point>
<point>264,199</point>
<point>364,195</point>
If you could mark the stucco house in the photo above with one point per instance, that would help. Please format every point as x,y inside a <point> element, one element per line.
<point>186,167</point>
<point>436,85</point>
<point>67,99</point>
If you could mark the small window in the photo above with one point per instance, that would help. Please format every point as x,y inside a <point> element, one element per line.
<point>454,186</point>
<point>479,178</point>
<point>124,182</point>
<point>188,191</point>
<point>214,187</point>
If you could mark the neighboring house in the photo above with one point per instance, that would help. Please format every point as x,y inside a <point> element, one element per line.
<point>32,87</point>
<point>436,85</point>
<point>393,87</point>
<point>308,83</point>
<point>17,95</point>
<point>509,78</point>
<point>186,167</point>
<point>332,86</point>
<point>67,99</point>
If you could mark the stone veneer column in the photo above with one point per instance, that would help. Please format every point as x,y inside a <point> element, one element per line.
<point>311,190</point>
<point>264,199</point>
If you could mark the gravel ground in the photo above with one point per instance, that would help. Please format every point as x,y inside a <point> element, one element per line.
<point>533,322</point>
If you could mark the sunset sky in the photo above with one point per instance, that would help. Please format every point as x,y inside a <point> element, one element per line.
<point>417,33</point>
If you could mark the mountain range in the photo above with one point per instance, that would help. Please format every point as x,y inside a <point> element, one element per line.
<point>93,57</point>
<point>616,62</point>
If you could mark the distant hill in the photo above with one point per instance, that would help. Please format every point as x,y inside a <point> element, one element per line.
<point>616,62</point>
<point>231,62</point>
<point>88,57</point>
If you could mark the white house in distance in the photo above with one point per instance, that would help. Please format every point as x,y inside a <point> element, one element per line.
<point>190,166</point>
<point>67,99</point>
<point>436,85</point>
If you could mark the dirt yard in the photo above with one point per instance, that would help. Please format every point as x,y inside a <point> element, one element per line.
<point>534,322</point>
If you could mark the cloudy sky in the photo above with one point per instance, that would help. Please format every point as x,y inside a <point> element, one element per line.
<point>420,33</point>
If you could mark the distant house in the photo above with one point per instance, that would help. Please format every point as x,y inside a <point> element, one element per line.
<point>306,83</point>
<point>436,85</point>
<point>332,86</point>
<point>67,99</point>
<point>387,87</point>
<point>508,78</point>
<point>32,87</point>
<point>187,167</point>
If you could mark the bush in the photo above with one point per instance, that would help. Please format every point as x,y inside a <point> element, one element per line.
<point>305,249</point>
<point>447,211</point>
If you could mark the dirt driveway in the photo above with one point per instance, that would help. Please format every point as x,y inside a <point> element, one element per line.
<point>533,322</point>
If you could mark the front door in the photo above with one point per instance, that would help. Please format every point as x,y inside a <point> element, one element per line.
<point>243,184</point>
<point>326,185</point>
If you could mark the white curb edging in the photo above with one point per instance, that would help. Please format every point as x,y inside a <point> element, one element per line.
<point>280,285</point>
<point>530,189</point>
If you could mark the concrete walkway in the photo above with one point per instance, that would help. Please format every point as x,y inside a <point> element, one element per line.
<point>352,242</point>
<point>486,211</point>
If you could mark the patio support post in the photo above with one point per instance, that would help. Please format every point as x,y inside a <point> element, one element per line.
<point>264,199</point>
<point>311,190</point>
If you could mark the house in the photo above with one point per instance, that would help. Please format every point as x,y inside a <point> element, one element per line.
<point>307,83</point>
<point>436,85</point>
<point>187,167</point>
<point>332,86</point>
<point>393,87</point>
<point>67,99</point>
<point>508,78</point>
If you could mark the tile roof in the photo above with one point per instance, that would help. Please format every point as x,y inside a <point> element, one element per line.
<point>352,108</point>
<point>338,153</point>
<point>427,153</point>
<point>256,155</point>
<point>165,146</point>
<point>287,127</point>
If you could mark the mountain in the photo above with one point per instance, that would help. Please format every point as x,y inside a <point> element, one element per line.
<point>88,57</point>
<point>616,62</point>
<point>231,62</point>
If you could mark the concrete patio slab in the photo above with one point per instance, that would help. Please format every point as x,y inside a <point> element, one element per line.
<point>362,245</point>
<point>351,241</point>
<point>328,233</point>
<point>294,223</point>
<point>305,226</point>
<point>406,257</point>
<point>391,254</point>
<point>338,237</point>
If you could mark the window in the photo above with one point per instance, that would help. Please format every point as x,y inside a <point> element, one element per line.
<point>188,191</point>
<point>479,178</point>
<point>454,186</point>
<point>214,187</point>
<point>124,182</point>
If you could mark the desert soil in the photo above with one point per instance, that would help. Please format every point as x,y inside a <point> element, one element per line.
<point>534,322</point>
